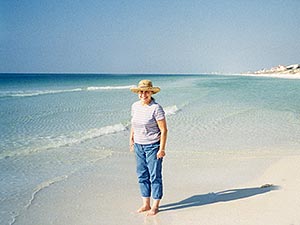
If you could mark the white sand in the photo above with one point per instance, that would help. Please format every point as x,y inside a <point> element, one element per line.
<point>250,204</point>
<point>199,189</point>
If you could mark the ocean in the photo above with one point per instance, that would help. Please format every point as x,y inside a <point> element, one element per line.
<point>52,126</point>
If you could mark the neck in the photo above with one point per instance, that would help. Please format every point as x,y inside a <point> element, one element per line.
<point>146,102</point>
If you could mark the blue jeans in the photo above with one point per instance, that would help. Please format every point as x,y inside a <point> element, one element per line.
<point>149,170</point>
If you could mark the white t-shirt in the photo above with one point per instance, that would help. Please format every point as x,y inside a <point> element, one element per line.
<point>144,122</point>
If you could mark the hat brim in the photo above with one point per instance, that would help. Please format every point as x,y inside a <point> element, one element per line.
<point>153,89</point>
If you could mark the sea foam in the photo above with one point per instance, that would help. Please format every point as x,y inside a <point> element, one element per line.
<point>171,110</point>
<point>109,88</point>
<point>42,186</point>
<point>37,92</point>
<point>31,93</point>
<point>41,144</point>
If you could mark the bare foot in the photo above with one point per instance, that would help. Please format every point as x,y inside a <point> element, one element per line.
<point>143,209</point>
<point>152,212</point>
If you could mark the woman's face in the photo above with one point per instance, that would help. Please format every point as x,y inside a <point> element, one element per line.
<point>145,96</point>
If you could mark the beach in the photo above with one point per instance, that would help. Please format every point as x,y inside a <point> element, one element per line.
<point>64,154</point>
<point>199,189</point>
<point>274,75</point>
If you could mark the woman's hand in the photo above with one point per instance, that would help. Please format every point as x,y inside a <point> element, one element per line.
<point>160,154</point>
<point>131,146</point>
<point>162,125</point>
<point>131,141</point>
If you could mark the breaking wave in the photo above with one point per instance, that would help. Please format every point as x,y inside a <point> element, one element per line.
<point>31,93</point>
<point>36,93</point>
<point>41,144</point>
<point>109,88</point>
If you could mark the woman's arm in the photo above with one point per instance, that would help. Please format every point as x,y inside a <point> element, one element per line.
<point>162,125</point>
<point>131,140</point>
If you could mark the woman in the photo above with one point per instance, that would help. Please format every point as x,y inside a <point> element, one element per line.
<point>148,140</point>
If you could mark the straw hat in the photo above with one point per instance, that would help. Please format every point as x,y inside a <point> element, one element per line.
<point>145,85</point>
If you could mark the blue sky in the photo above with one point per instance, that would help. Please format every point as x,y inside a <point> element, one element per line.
<point>148,36</point>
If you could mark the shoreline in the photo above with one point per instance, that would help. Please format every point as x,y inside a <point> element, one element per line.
<point>275,75</point>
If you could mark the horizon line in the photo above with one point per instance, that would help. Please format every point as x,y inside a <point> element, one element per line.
<point>135,73</point>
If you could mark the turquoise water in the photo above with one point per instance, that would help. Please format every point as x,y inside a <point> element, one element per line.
<point>53,126</point>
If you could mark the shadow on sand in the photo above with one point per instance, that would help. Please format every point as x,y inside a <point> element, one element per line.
<point>223,196</point>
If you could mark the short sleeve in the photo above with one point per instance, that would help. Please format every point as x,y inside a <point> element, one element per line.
<point>132,111</point>
<point>159,113</point>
